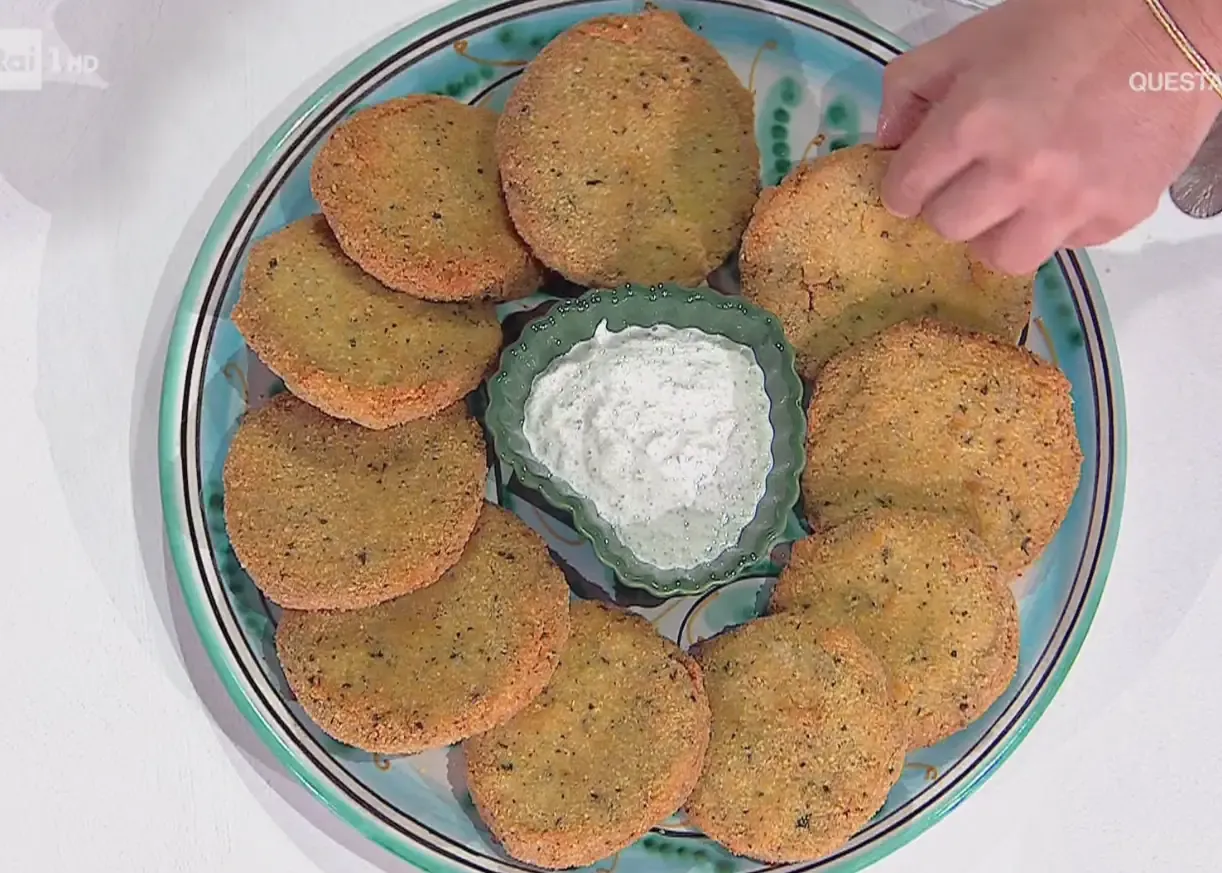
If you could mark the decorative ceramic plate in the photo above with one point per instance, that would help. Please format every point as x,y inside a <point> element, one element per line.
<point>816,72</point>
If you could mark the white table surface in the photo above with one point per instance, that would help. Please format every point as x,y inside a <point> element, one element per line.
<point>123,752</point>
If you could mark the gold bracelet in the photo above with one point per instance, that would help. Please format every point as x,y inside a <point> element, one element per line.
<point>1185,45</point>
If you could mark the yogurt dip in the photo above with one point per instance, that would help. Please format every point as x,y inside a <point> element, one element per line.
<point>665,430</point>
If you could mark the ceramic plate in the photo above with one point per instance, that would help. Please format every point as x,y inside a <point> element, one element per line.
<point>816,72</point>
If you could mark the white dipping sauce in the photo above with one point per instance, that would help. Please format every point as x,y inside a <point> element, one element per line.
<point>665,430</point>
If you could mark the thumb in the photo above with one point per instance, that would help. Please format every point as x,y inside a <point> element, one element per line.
<point>912,83</point>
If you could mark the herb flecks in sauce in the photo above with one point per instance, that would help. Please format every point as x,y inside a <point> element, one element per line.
<point>665,430</point>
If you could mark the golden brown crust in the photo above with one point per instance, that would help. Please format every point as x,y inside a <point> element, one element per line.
<point>411,190</point>
<point>806,741</point>
<point>927,416</point>
<point>441,664</point>
<point>611,748</point>
<point>627,153</point>
<point>326,514</point>
<point>347,344</point>
<point>825,255</point>
<point>926,597</point>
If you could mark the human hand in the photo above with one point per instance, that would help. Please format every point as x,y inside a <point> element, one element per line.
<point>1020,131</point>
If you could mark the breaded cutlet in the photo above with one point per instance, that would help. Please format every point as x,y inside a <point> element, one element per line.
<point>928,416</point>
<point>825,255</point>
<point>807,739</point>
<point>410,188</point>
<point>926,597</point>
<point>611,748</point>
<point>326,514</point>
<point>345,343</point>
<point>441,664</point>
<point>627,153</point>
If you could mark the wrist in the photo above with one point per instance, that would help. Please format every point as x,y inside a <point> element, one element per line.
<point>1200,23</point>
<point>1199,20</point>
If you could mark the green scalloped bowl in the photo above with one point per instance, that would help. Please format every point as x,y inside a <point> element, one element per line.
<point>568,323</point>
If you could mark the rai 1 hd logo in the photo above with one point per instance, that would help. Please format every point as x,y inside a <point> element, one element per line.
<point>24,63</point>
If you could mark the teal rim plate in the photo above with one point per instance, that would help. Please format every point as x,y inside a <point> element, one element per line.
<point>816,71</point>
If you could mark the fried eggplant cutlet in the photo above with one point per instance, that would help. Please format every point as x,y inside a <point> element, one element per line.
<point>410,189</point>
<point>610,749</point>
<point>825,255</point>
<point>627,153</point>
<point>345,343</point>
<point>930,417</point>
<point>326,514</point>
<point>438,665</point>
<point>926,597</point>
<point>807,740</point>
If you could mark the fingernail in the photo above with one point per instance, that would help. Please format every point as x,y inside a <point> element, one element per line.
<point>882,134</point>
<point>898,213</point>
